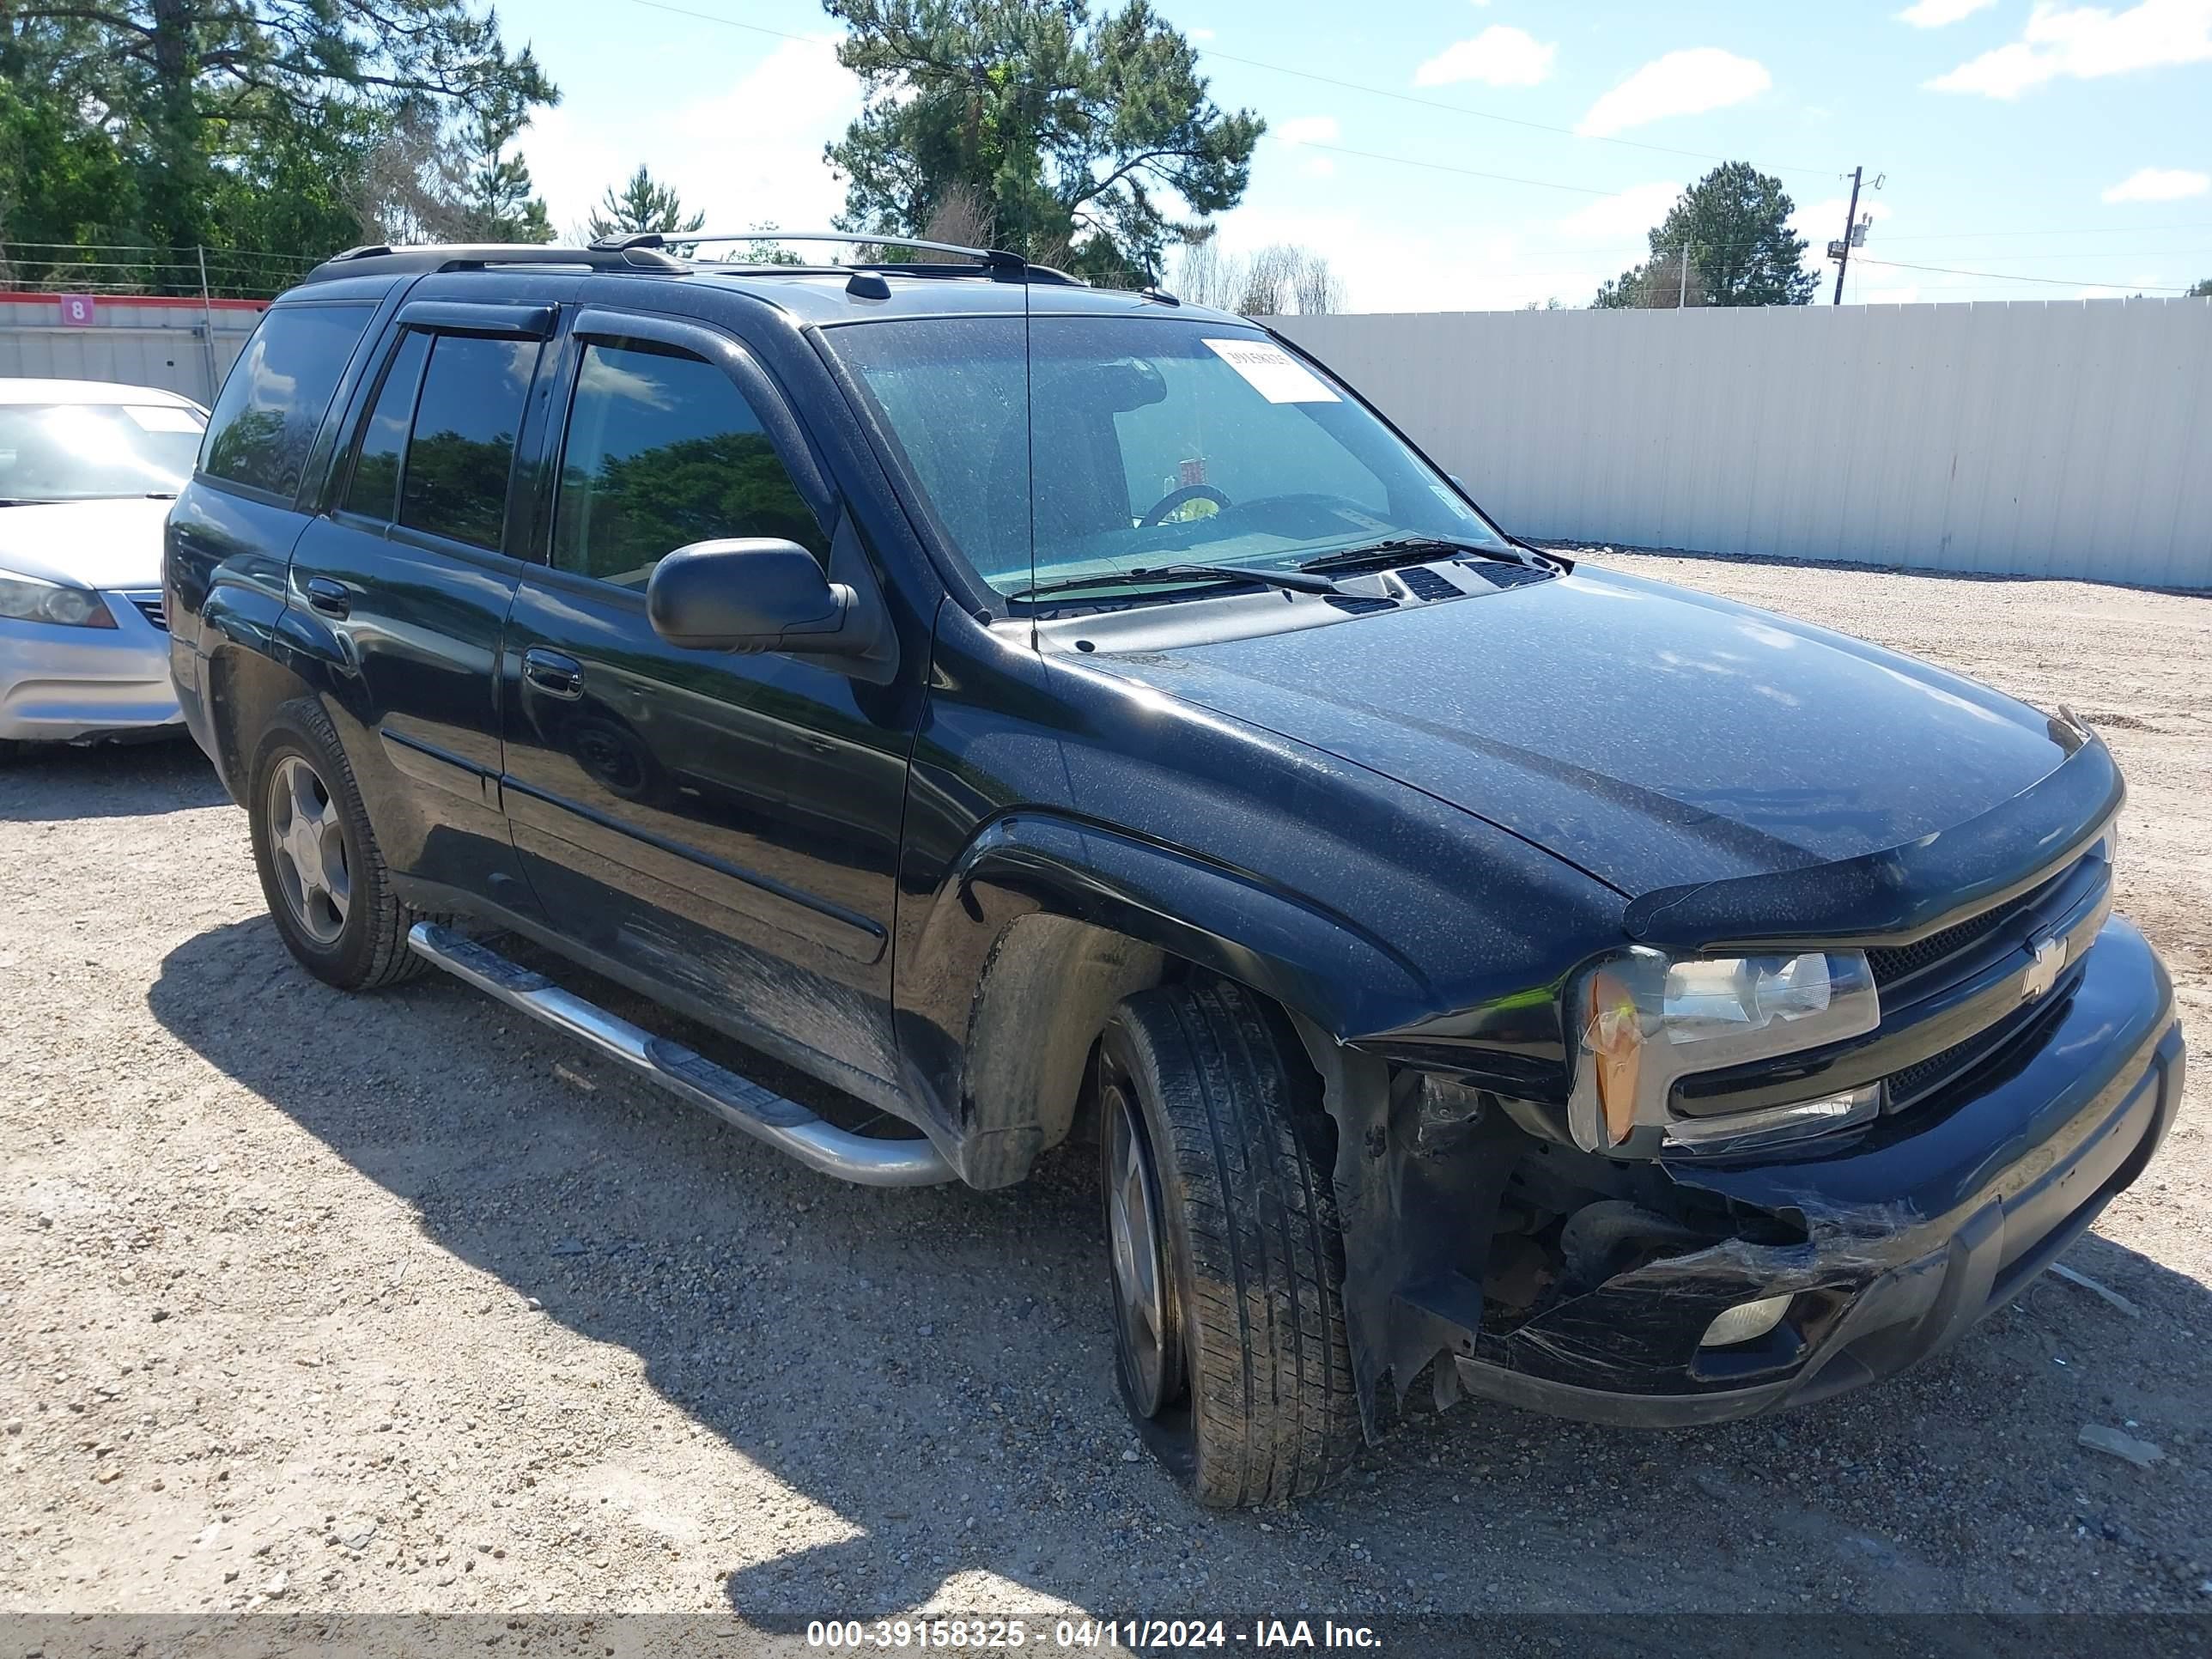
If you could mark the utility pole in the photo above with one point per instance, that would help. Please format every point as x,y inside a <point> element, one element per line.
<point>207,328</point>
<point>1850,218</point>
<point>1682,293</point>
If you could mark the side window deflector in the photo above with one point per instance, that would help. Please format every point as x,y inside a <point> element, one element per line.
<point>594,323</point>
<point>455,317</point>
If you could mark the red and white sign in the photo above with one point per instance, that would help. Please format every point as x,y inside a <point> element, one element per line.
<point>77,310</point>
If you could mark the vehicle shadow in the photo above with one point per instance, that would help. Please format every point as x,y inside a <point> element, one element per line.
<point>51,782</point>
<point>933,1367</point>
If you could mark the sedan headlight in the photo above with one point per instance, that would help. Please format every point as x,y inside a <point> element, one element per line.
<point>1646,1019</point>
<point>29,599</point>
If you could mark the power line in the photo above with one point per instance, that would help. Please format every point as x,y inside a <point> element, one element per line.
<point>2059,230</point>
<point>727,22</point>
<point>1482,114</point>
<point>1326,81</point>
<point>1538,126</point>
<point>2007,276</point>
<point>1440,166</point>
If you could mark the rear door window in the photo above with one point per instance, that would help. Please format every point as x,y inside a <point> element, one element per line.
<point>375,487</point>
<point>264,421</point>
<point>461,455</point>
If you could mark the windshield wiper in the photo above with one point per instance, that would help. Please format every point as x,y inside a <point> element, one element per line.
<point>1297,582</point>
<point>1411,549</point>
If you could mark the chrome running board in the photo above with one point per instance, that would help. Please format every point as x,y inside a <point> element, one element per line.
<point>784,1124</point>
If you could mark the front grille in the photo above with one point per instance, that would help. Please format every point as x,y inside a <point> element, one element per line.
<point>2020,1031</point>
<point>1914,1081</point>
<point>149,605</point>
<point>1890,963</point>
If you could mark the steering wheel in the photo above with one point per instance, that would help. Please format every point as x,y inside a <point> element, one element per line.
<point>1176,498</point>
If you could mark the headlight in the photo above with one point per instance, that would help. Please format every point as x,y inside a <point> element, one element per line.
<point>27,598</point>
<point>1646,1020</point>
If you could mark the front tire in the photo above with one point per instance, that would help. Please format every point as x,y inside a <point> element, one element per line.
<point>1227,1256</point>
<point>324,877</point>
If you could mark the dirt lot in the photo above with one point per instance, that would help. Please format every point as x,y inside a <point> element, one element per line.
<point>395,1302</point>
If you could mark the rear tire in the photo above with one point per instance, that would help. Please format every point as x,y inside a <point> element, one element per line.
<point>324,877</point>
<point>1217,1159</point>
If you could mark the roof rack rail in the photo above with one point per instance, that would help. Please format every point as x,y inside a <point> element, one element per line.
<point>471,256</point>
<point>654,239</point>
<point>994,260</point>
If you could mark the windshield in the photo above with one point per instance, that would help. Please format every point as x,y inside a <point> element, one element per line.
<point>1153,441</point>
<point>86,451</point>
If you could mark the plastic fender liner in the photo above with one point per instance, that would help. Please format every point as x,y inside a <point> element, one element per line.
<point>1162,900</point>
<point>1417,1230</point>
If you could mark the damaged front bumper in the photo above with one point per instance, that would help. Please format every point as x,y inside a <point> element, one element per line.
<point>1910,1232</point>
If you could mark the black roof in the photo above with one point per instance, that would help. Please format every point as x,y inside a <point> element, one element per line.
<point>811,292</point>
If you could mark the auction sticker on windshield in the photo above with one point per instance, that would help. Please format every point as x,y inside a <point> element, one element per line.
<point>1273,372</point>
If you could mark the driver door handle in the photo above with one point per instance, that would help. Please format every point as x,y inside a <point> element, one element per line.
<point>329,597</point>
<point>556,675</point>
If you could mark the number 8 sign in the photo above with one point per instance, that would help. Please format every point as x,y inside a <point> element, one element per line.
<point>77,310</point>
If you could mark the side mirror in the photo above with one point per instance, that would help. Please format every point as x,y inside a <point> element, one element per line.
<point>753,594</point>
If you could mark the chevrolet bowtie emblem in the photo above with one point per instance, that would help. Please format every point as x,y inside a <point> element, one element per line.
<point>2043,973</point>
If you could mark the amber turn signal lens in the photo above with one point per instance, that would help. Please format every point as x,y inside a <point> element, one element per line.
<point>1616,1041</point>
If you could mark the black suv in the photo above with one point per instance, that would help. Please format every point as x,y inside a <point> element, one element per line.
<point>1039,711</point>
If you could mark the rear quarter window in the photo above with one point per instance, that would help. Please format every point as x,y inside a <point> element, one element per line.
<point>264,421</point>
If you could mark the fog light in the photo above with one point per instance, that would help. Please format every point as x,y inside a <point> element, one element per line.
<point>1747,1321</point>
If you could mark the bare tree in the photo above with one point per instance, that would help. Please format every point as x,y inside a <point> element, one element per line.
<point>1274,281</point>
<point>409,188</point>
<point>961,216</point>
<point>1271,280</point>
<point>1204,276</point>
<point>1318,290</point>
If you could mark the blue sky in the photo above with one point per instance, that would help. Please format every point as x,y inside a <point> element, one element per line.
<point>2069,143</point>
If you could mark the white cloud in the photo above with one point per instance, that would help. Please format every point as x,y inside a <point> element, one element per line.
<point>1500,57</point>
<point>1199,35</point>
<point>747,156</point>
<point>2086,43</point>
<point>1625,216</point>
<point>1306,130</point>
<point>1302,130</point>
<point>1680,83</point>
<point>2158,184</point>
<point>1938,14</point>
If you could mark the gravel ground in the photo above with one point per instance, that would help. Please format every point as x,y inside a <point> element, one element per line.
<point>397,1303</point>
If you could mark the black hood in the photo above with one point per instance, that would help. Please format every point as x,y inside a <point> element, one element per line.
<point>1653,736</point>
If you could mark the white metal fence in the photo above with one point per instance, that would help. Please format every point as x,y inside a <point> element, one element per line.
<point>181,345</point>
<point>2068,438</point>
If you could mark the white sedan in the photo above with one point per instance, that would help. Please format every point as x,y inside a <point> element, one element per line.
<point>88,471</point>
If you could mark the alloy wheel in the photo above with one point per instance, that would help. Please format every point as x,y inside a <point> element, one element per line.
<point>1147,1326</point>
<point>308,848</point>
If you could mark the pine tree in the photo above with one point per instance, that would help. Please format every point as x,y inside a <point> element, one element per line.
<point>1735,222</point>
<point>644,204</point>
<point>500,203</point>
<point>1078,136</point>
